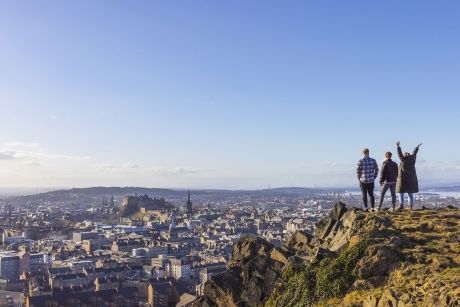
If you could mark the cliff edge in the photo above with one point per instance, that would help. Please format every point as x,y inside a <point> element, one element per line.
<point>355,258</point>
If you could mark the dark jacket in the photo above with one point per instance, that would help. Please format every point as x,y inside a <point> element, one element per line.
<point>388,172</point>
<point>407,176</point>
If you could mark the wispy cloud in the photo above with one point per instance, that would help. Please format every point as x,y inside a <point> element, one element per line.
<point>7,155</point>
<point>22,145</point>
<point>30,163</point>
<point>32,152</point>
<point>175,170</point>
<point>128,166</point>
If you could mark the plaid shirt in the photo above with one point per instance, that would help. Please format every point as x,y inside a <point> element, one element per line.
<point>367,170</point>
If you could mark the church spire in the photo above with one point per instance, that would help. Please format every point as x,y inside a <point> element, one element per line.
<point>189,205</point>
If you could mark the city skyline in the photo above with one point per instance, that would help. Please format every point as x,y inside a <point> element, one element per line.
<point>233,96</point>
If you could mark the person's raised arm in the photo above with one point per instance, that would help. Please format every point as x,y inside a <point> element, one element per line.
<point>416,149</point>
<point>400,154</point>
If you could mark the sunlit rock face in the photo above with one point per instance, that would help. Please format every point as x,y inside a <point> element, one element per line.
<point>355,258</point>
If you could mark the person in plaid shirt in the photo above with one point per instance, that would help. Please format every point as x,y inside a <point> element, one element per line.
<point>367,170</point>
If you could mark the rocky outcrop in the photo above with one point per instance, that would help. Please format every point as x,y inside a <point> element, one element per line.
<point>301,242</point>
<point>355,258</point>
<point>255,267</point>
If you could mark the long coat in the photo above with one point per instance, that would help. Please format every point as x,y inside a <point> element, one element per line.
<point>407,176</point>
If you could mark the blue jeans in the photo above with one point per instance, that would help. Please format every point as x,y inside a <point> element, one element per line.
<point>411,199</point>
<point>383,189</point>
<point>367,189</point>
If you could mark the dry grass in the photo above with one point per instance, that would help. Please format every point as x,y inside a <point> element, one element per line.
<point>431,270</point>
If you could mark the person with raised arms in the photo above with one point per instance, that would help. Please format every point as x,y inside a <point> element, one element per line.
<point>407,176</point>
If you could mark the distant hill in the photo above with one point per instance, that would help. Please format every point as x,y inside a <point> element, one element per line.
<point>17,191</point>
<point>89,196</point>
<point>83,197</point>
<point>445,189</point>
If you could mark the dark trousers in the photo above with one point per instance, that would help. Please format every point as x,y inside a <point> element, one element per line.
<point>367,189</point>
<point>384,189</point>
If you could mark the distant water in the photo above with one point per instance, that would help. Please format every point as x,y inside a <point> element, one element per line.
<point>448,194</point>
<point>440,193</point>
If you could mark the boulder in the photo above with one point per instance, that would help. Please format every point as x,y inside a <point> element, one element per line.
<point>279,255</point>
<point>259,277</point>
<point>338,228</point>
<point>248,247</point>
<point>300,243</point>
<point>223,289</point>
<point>326,226</point>
<point>253,271</point>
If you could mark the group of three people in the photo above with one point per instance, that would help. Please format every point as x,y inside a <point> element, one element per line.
<point>402,179</point>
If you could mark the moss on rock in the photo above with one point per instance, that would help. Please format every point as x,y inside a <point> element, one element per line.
<point>310,284</point>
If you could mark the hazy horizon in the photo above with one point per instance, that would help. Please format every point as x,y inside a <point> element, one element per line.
<point>18,191</point>
<point>239,95</point>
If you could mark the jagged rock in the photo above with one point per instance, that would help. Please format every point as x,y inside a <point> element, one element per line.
<point>321,253</point>
<point>279,255</point>
<point>255,267</point>
<point>326,226</point>
<point>300,242</point>
<point>258,277</point>
<point>339,231</point>
<point>349,218</point>
<point>248,247</point>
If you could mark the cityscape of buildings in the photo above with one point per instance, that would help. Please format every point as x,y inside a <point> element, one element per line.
<point>142,250</point>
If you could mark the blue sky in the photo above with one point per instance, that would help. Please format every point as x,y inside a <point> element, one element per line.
<point>237,94</point>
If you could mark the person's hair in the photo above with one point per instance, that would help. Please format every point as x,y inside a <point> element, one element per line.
<point>406,154</point>
<point>388,155</point>
<point>365,151</point>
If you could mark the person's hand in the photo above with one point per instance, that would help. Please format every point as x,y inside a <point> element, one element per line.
<point>397,143</point>
<point>419,145</point>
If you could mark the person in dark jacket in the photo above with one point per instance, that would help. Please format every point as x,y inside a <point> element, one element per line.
<point>388,178</point>
<point>407,176</point>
